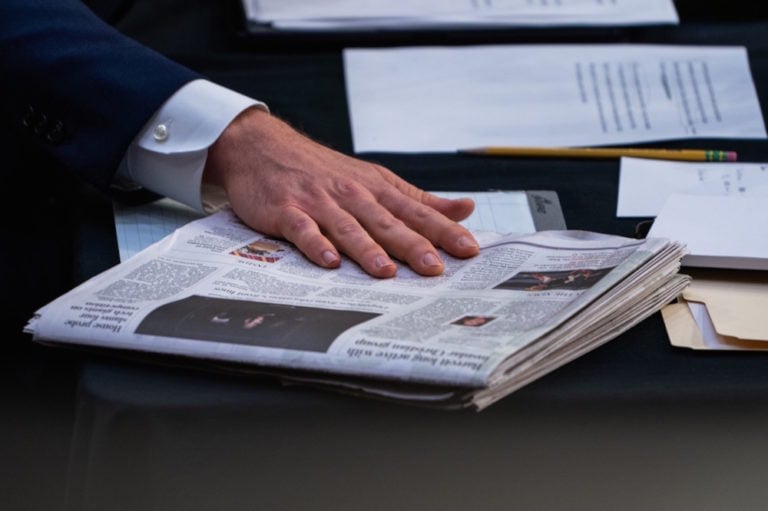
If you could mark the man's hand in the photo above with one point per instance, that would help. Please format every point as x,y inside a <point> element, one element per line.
<point>283,184</point>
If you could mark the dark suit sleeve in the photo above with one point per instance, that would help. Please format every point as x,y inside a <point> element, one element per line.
<point>73,86</point>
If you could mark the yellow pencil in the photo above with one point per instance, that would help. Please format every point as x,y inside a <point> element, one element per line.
<point>605,152</point>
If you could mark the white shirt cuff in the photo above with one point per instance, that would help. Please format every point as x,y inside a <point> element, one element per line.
<point>169,153</point>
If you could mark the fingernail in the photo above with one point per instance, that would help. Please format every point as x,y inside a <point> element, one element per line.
<point>467,242</point>
<point>430,259</point>
<point>382,262</point>
<point>330,257</point>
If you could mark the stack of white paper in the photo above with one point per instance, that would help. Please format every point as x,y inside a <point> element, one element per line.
<point>400,14</point>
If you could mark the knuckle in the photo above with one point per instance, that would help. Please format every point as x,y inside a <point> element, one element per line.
<point>346,228</point>
<point>389,223</point>
<point>293,222</point>
<point>348,189</point>
<point>422,212</point>
<point>300,225</point>
<point>385,173</point>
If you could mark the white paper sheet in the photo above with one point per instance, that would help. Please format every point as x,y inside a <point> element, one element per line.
<point>440,99</point>
<point>711,340</point>
<point>720,231</point>
<point>348,14</point>
<point>644,185</point>
<point>140,226</point>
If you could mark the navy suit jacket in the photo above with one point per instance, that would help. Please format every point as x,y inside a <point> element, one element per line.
<point>75,88</point>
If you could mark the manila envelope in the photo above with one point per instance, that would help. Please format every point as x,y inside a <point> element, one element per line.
<point>728,310</point>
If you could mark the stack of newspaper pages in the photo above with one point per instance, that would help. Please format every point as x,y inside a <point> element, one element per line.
<point>219,294</point>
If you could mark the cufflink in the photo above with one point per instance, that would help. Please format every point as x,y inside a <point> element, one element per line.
<point>160,133</point>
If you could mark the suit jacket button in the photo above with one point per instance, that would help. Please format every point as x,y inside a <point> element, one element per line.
<point>40,125</point>
<point>55,134</point>
<point>29,118</point>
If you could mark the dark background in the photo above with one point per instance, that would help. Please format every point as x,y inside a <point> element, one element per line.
<point>636,424</point>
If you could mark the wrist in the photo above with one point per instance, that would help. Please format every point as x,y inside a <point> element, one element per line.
<point>249,125</point>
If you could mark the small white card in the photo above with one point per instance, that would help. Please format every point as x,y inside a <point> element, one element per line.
<point>644,185</point>
<point>720,232</point>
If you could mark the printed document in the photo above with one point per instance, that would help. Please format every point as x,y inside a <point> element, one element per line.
<point>441,99</point>
<point>644,184</point>
<point>399,14</point>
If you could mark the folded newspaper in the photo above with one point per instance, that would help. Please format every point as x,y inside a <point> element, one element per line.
<point>216,292</point>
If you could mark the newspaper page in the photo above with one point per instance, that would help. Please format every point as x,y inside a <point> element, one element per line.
<point>217,291</point>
